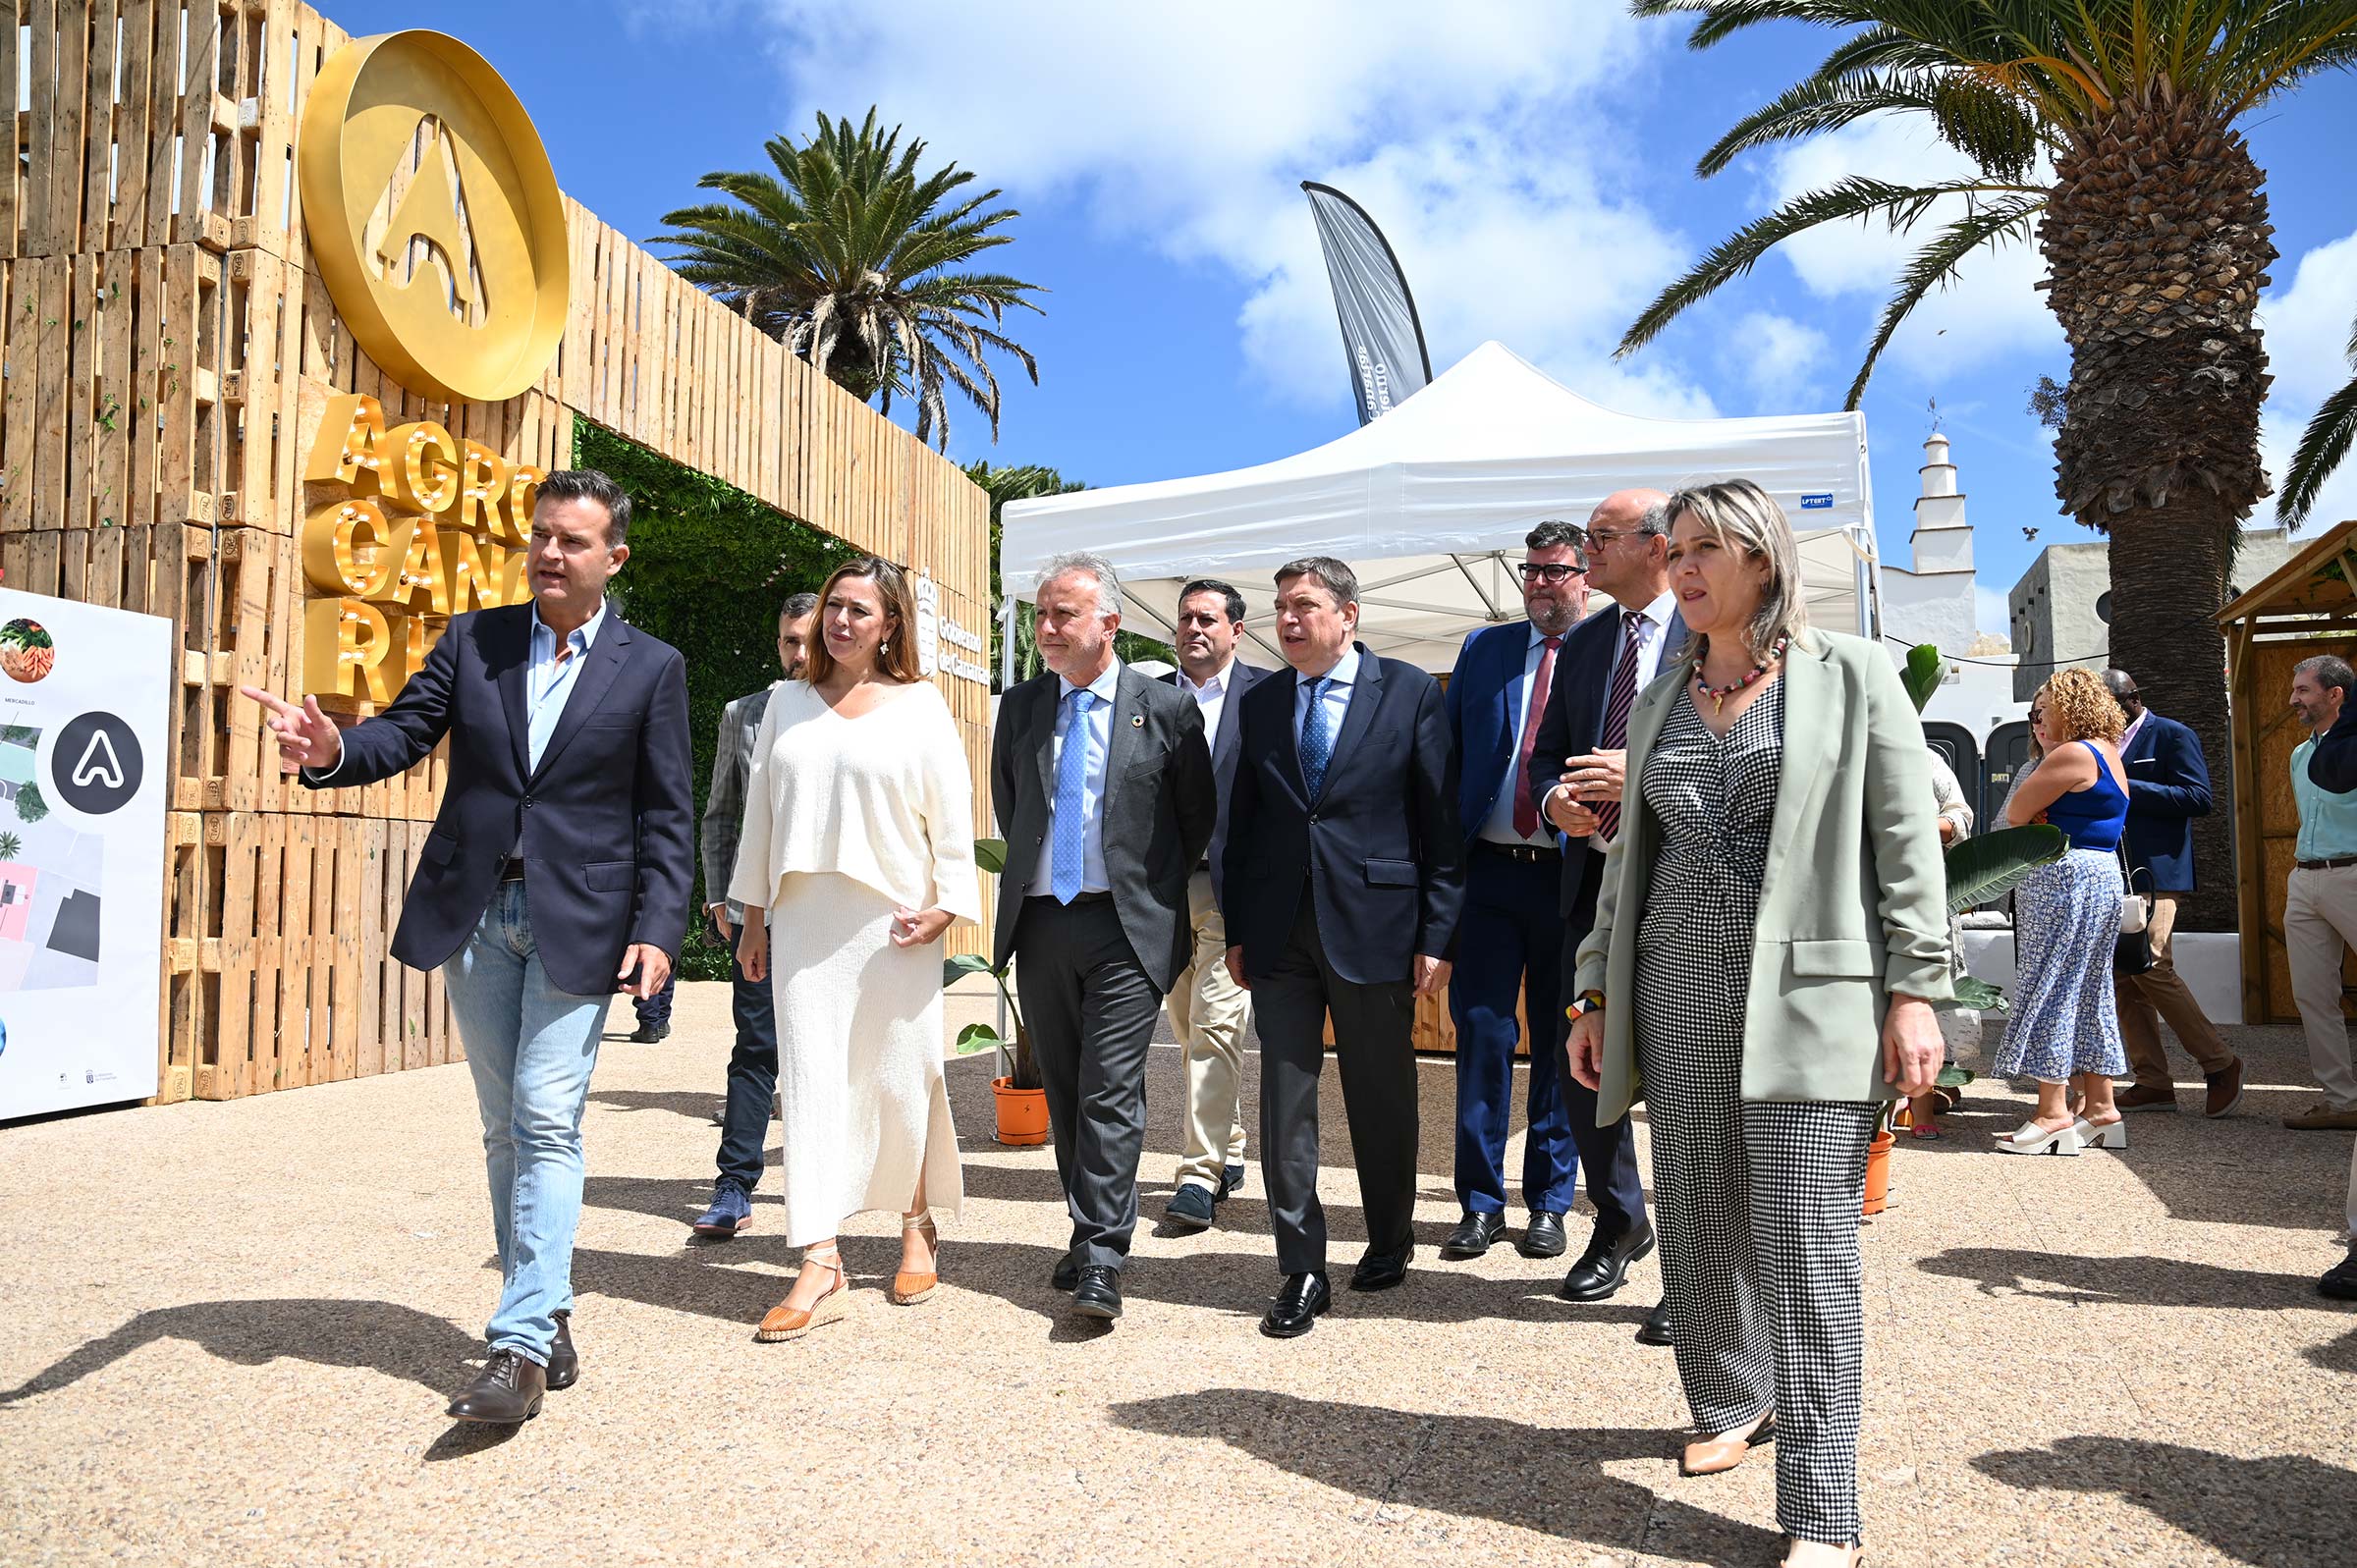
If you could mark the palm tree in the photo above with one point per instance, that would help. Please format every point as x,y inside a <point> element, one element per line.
<point>2104,131</point>
<point>844,254</point>
<point>10,847</point>
<point>2323,444</point>
<point>1005,483</point>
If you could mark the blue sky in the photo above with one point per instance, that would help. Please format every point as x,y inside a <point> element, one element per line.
<point>1531,163</point>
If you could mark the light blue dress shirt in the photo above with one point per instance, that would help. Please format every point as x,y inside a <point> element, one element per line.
<point>547,684</point>
<point>1098,736</point>
<point>1344,675</point>
<point>2327,821</point>
<point>1500,827</point>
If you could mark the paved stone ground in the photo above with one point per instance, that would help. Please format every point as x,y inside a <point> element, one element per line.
<point>230,1329</point>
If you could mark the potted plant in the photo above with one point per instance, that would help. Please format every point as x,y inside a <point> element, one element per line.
<point>1980,868</point>
<point>1023,1103</point>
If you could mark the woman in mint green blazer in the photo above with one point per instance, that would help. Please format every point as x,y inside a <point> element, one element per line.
<point>1770,938</point>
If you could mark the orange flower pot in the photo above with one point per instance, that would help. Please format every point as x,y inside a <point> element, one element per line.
<point>1022,1113</point>
<point>1878,1173</point>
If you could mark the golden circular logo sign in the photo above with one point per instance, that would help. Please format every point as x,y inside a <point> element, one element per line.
<point>434,216</point>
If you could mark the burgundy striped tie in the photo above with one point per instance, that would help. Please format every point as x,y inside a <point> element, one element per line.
<point>1616,704</point>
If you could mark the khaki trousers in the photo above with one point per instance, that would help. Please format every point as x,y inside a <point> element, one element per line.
<point>2159,993</point>
<point>1209,1012</point>
<point>2320,919</point>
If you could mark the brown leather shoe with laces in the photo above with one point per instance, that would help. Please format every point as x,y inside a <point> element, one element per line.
<point>507,1391</point>
<point>2224,1089</point>
<point>2146,1097</point>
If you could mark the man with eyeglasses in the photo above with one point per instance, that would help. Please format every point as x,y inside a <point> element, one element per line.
<point>1577,768</point>
<point>1511,935</point>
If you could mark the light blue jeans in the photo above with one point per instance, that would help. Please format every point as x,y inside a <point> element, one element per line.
<point>530,1047</point>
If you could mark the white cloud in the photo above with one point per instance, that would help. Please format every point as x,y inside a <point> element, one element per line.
<point>1469,133</point>
<point>1781,359</point>
<point>1989,311</point>
<point>2308,326</point>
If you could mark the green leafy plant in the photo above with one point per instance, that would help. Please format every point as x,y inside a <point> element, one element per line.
<point>10,847</point>
<point>1015,1061</point>
<point>31,804</point>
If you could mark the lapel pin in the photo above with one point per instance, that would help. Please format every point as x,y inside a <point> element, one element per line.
<point>1137,720</point>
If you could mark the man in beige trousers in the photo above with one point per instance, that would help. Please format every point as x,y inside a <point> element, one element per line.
<point>1209,1011</point>
<point>2319,901</point>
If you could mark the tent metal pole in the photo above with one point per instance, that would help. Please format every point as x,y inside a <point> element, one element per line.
<point>1479,592</point>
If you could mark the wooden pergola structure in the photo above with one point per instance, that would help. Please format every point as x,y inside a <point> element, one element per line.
<point>2306,607</point>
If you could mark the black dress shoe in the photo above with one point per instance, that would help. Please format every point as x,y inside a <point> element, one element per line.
<point>564,1362</point>
<point>1066,1274</point>
<point>1655,1330</point>
<point>648,1034</point>
<point>1297,1307</point>
<point>1097,1293</point>
<point>1543,1236</point>
<point>507,1391</point>
<point>1381,1270</point>
<point>1474,1234</point>
<point>2340,1280</point>
<point>1605,1264</point>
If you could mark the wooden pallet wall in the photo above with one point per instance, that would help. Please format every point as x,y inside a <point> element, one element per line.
<point>168,352</point>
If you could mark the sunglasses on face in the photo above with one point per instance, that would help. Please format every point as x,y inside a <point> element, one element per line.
<point>1551,571</point>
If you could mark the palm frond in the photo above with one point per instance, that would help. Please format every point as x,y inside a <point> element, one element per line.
<point>2323,447</point>
<point>1932,267</point>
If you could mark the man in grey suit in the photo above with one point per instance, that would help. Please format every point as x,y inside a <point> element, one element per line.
<point>1103,785</point>
<point>1209,1011</point>
<point>753,1064</point>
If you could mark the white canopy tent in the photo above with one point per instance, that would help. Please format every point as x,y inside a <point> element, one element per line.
<point>1429,504</point>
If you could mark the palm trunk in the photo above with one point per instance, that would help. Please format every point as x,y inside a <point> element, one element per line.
<point>2156,242</point>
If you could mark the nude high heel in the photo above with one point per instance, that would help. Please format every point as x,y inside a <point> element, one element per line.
<point>1709,1456</point>
<point>907,1289</point>
<point>782,1322</point>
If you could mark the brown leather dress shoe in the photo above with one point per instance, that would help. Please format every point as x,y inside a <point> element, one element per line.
<point>507,1391</point>
<point>2224,1089</point>
<point>2146,1097</point>
<point>564,1362</point>
<point>1709,1456</point>
<point>907,1289</point>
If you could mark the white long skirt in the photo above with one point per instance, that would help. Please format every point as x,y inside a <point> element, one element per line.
<point>859,1060</point>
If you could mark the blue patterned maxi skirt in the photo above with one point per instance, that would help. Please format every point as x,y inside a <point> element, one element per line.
<point>2065,1018</point>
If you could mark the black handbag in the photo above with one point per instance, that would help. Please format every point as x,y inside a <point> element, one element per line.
<point>2132,951</point>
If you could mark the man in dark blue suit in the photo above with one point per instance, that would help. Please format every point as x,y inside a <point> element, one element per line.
<point>1510,940</point>
<point>558,873</point>
<point>1209,1011</point>
<point>2169,785</point>
<point>1344,877</point>
<point>1576,767</point>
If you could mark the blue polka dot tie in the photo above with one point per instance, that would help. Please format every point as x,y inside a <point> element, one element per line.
<point>1317,741</point>
<point>1071,775</point>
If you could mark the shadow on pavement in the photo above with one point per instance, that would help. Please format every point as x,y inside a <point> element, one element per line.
<point>2285,1508</point>
<point>695,1106</point>
<point>2136,1281</point>
<point>1401,1459</point>
<point>371,1335</point>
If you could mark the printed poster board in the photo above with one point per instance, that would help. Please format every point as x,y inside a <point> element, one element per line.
<point>84,694</point>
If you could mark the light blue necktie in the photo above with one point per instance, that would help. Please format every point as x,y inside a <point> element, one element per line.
<point>1317,745</point>
<point>1072,776</point>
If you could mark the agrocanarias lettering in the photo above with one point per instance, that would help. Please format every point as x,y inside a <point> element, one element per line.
<point>425,527</point>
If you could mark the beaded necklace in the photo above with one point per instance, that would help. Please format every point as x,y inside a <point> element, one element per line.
<point>1719,694</point>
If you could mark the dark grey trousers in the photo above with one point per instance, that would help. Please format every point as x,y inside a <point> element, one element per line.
<point>1091,1009</point>
<point>1372,1026</point>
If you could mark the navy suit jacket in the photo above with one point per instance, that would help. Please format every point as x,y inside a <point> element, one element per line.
<point>2169,785</point>
<point>1487,691</point>
<point>1573,726</point>
<point>606,822</point>
<point>1225,747</point>
<point>1379,851</point>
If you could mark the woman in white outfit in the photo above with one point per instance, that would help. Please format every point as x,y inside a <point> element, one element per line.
<point>859,841</point>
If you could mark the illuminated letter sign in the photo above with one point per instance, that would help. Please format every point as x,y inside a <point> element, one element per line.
<point>434,216</point>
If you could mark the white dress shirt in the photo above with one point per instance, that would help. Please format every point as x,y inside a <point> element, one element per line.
<point>1098,736</point>
<point>1342,676</point>
<point>1499,827</point>
<point>1650,640</point>
<point>1211,698</point>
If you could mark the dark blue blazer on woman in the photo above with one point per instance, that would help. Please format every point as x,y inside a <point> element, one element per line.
<point>605,824</point>
<point>2169,785</point>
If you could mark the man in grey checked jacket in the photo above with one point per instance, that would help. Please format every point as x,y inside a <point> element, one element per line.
<point>753,1064</point>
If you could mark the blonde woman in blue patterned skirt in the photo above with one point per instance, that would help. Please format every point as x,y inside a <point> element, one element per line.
<point>2064,1026</point>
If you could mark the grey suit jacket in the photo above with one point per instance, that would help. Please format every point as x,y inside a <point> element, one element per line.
<point>1160,805</point>
<point>1226,746</point>
<point>724,806</point>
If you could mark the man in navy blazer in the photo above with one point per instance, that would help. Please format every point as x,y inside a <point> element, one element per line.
<point>1345,877</point>
<point>1209,1011</point>
<point>1576,774</point>
<point>1510,938</point>
<point>558,871</point>
<point>2169,785</point>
